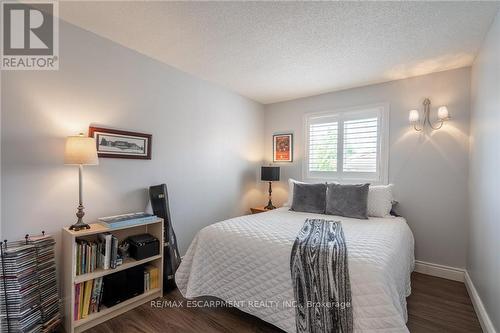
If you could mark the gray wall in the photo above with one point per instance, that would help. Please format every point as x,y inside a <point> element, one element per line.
<point>207,141</point>
<point>483,262</point>
<point>429,170</point>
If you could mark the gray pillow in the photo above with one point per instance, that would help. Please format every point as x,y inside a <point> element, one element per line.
<point>309,198</point>
<point>347,200</point>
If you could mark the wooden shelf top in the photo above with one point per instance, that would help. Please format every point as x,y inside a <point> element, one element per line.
<point>129,262</point>
<point>97,228</point>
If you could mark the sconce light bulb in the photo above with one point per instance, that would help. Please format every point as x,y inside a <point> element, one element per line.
<point>443,113</point>
<point>413,116</point>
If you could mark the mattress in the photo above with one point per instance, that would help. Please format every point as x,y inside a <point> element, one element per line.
<point>245,261</point>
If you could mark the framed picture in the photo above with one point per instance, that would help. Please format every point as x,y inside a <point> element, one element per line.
<point>121,144</point>
<point>283,147</point>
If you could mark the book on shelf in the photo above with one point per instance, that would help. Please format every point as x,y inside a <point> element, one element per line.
<point>146,281</point>
<point>87,298</point>
<point>76,310</point>
<point>114,251</point>
<point>96,290</point>
<point>102,254</point>
<point>151,277</point>
<point>124,220</point>
<point>105,240</point>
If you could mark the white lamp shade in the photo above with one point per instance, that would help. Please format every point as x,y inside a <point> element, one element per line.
<point>443,113</point>
<point>80,150</point>
<point>413,116</point>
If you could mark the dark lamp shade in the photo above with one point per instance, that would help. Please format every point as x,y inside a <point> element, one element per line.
<point>270,174</point>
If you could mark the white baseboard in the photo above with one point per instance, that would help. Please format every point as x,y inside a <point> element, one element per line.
<point>484,319</point>
<point>442,271</point>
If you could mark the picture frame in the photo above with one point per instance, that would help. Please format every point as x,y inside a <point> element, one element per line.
<point>112,143</point>
<point>283,147</point>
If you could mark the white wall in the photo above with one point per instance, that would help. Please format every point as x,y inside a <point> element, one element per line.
<point>483,262</point>
<point>207,141</point>
<point>429,170</point>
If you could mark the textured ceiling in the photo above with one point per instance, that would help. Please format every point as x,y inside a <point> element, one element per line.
<point>275,51</point>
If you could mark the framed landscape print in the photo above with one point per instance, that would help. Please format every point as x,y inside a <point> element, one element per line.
<point>121,144</point>
<point>283,147</point>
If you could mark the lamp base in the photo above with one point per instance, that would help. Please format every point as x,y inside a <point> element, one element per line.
<point>270,206</point>
<point>270,203</point>
<point>79,225</point>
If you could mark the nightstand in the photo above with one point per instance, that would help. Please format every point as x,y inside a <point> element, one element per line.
<point>256,210</point>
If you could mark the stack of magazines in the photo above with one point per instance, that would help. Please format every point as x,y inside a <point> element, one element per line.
<point>21,283</point>
<point>31,302</point>
<point>49,306</point>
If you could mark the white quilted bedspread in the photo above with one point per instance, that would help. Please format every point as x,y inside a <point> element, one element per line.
<point>246,261</point>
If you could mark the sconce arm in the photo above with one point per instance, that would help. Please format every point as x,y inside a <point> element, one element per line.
<point>440,124</point>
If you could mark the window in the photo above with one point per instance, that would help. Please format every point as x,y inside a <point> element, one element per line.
<point>347,145</point>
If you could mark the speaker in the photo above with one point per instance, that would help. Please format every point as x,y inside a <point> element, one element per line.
<point>120,286</point>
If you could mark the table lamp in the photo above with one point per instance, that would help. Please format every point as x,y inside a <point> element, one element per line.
<point>80,150</point>
<point>270,174</point>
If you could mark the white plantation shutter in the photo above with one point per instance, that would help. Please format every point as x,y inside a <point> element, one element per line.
<point>323,147</point>
<point>360,145</point>
<point>347,146</point>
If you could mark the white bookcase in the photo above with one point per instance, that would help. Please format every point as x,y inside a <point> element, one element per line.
<point>70,279</point>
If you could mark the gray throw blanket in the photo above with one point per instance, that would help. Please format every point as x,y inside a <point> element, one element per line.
<point>320,278</point>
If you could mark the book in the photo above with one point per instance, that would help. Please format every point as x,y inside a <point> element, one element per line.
<point>91,255</point>
<point>95,295</point>
<point>77,271</point>
<point>80,300</point>
<point>105,238</point>
<point>77,302</point>
<point>114,251</point>
<point>86,298</point>
<point>153,277</point>
<point>146,281</point>
<point>124,220</point>
<point>100,295</point>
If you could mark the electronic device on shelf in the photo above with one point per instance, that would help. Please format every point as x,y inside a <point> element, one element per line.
<point>143,246</point>
<point>120,286</point>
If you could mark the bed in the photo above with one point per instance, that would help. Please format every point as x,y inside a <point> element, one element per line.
<point>245,261</point>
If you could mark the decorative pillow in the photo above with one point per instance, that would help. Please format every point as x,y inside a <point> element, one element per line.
<point>347,200</point>
<point>309,198</point>
<point>380,199</point>
<point>291,182</point>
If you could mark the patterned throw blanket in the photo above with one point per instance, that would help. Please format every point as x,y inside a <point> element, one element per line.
<point>320,277</point>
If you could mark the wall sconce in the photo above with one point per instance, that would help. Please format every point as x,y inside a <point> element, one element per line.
<point>442,116</point>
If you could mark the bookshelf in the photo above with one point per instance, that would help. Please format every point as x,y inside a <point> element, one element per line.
<point>70,279</point>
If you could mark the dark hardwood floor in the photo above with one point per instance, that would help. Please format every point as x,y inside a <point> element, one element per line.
<point>439,305</point>
<point>436,305</point>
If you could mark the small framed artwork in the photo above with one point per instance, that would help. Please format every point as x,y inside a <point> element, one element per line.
<point>121,144</point>
<point>283,147</point>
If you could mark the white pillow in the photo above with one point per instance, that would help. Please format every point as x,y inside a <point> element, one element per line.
<point>380,200</point>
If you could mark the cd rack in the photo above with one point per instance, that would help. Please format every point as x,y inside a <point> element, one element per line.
<point>29,298</point>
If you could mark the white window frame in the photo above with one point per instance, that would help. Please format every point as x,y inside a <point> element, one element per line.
<point>381,176</point>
